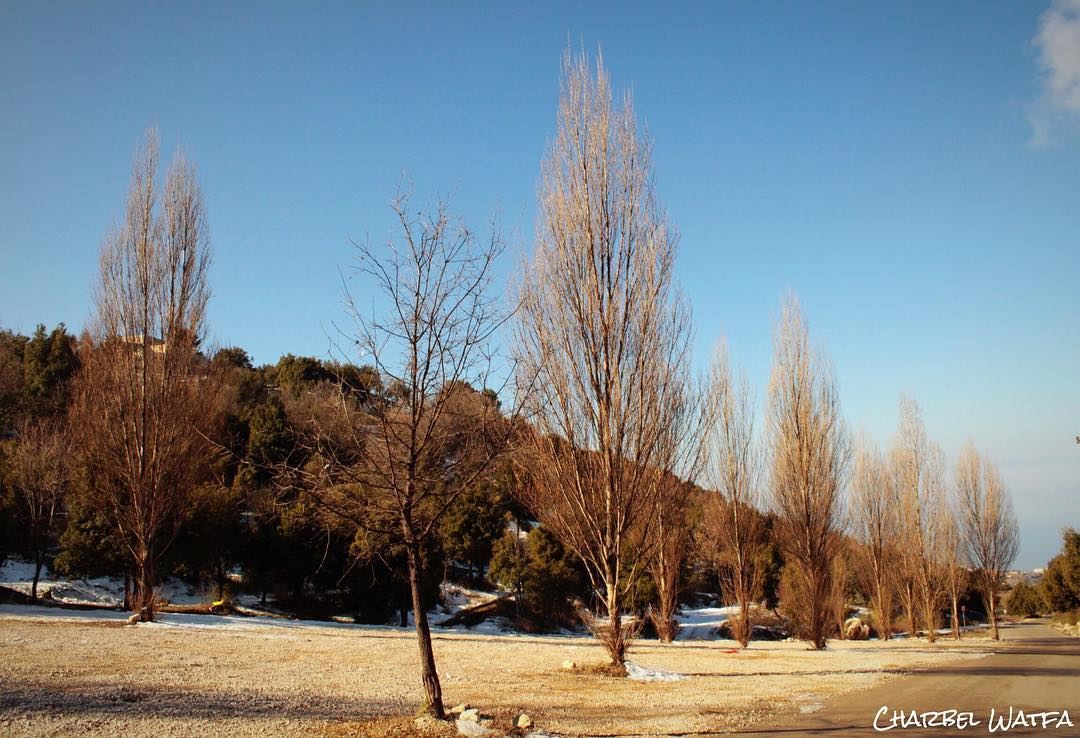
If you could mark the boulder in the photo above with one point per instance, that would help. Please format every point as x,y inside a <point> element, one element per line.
<point>471,715</point>
<point>458,709</point>
<point>569,665</point>
<point>523,721</point>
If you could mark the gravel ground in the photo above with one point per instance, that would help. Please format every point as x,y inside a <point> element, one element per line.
<point>97,677</point>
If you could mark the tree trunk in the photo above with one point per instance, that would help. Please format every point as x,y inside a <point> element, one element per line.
<point>931,620</point>
<point>884,618</point>
<point>144,584</point>
<point>617,644</point>
<point>428,673</point>
<point>614,638</point>
<point>909,609</point>
<point>956,617</point>
<point>991,601</point>
<point>744,627</point>
<point>39,559</point>
<point>219,574</point>
<point>819,589</point>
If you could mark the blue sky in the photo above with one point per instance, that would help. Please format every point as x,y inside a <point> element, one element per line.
<point>911,170</point>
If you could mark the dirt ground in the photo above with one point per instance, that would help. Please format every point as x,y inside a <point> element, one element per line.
<point>95,677</point>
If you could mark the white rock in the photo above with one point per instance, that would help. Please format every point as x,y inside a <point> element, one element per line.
<point>471,715</point>
<point>523,721</point>
<point>569,665</point>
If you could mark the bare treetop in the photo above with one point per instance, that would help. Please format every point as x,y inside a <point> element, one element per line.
<point>154,266</point>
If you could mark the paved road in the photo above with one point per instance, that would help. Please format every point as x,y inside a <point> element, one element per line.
<point>1035,669</point>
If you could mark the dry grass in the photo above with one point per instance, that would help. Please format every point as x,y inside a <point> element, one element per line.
<point>90,677</point>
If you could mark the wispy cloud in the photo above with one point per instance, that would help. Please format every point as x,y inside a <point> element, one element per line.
<point>1058,108</point>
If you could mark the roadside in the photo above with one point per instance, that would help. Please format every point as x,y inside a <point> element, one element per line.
<point>1034,669</point>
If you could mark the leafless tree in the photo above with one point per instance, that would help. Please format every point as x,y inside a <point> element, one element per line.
<point>990,533</point>
<point>809,449</point>
<point>606,334</point>
<point>391,466</point>
<point>671,534</point>
<point>918,470</point>
<point>733,525</point>
<point>143,393</point>
<point>841,585</point>
<point>875,523</point>
<point>39,472</point>
<point>953,560</point>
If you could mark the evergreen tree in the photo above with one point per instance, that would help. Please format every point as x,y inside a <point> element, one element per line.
<point>1061,580</point>
<point>476,520</point>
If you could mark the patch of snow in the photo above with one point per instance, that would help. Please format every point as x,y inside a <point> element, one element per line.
<point>33,612</point>
<point>645,674</point>
<point>810,703</point>
<point>701,624</point>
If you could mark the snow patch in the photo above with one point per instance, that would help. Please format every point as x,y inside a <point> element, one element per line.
<point>645,674</point>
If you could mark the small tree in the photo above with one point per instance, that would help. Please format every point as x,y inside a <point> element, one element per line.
<point>918,471</point>
<point>952,555</point>
<point>671,533</point>
<point>809,461</point>
<point>39,473</point>
<point>1025,601</point>
<point>391,466</point>
<point>991,535</point>
<point>731,530</point>
<point>875,523</point>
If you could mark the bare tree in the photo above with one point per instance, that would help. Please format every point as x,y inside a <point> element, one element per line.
<point>606,334</point>
<point>953,561</point>
<point>733,524</point>
<point>391,466</point>
<point>809,450</point>
<point>841,585</point>
<point>989,530</point>
<point>670,535</point>
<point>39,472</point>
<point>143,392</point>
<point>875,523</point>
<point>918,470</point>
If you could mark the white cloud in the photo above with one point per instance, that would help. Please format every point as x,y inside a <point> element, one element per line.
<point>1058,41</point>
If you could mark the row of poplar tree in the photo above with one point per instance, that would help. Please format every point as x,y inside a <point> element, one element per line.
<point>361,483</point>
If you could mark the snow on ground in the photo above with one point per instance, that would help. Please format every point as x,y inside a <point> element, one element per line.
<point>18,575</point>
<point>696,624</point>
<point>701,624</point>
<point>645,674</point>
